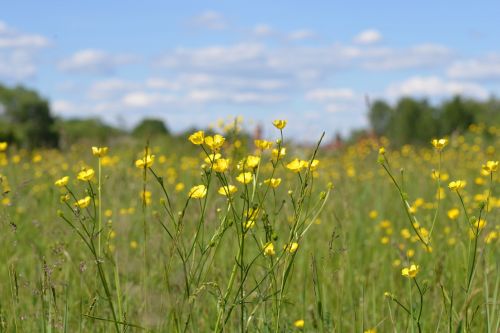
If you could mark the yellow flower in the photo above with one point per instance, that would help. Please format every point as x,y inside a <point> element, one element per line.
<point>381,150</point>
<point>313,165</point>
<point>480,224</point>
<point>410,272</point>
<point>251,162</point>
<point>198,192</point>
<point>491,237</point>
<point>197,138</point>
<point>439,144</point>
<point>453,213</point>
<point>490,166</point>
<point>62,181</point>
<point>292,247</point>
<point>263,144</point>
<point>133,244</point>
<point>279,154</point>
<point>405,233</point>
<point>373,214</point>
<point>457,185</point>
<point>227,190</point>
<point>296,165</point>
<point>279,124</point>
<point>371,330</point>
<point>179,187</point>
<point>210,159</point>
<point>299,323</point>
<point>82,203</point>
<point>221,165</point>
<point>245,177</point>
<point>3,146</point>
<point>249,224</point>
<point>273,182</point>
<point>86,175</point>
<point>269,249</point>
<point>99,151</point>
<point>145,162</point>
<point>145,196</point>
<point>214,142</point>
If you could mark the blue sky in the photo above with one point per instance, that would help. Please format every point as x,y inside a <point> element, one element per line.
<point>194,62</point>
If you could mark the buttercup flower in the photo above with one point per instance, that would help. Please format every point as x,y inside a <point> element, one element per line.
<point>221,165</point>
<point>279,124</point>
<point>99,151</point>
<point>214,142</point>
<point>269,249</point>
<point>313,165</point>
<point>82,203</point>
<point>279,154</point>
<point>227,190</point>
<point>457,185</point>
<point>145,162</point>
<point>296,165</point>
<point>299,323</point>
<point>3,146</point>
<point>86,175</point>
<point>62,181</point>
<point>453,213</point>
<point>198,192</point>
<point>245,177</point>
<point>212,158</point>
<point>263,144</point>
<point>197,138</point>
<point>439,144</point>
<point>273,182</point>
<point>490,166</point>
<point>410,272</point>
<point>292,247</point>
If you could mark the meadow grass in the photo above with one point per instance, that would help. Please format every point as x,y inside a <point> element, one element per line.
<point>221,234</point>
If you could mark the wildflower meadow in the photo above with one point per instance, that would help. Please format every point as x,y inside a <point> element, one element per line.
<point>221,233</point>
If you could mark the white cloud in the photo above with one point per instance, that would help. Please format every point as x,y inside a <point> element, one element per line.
<point>18,53</point>
<point>301,34</point>
<point>142,99</point>
<point>94,61</point>
<point>159,83</point>
<point>323,95</point>
<point>418,56</point>
<point>369,36</point>
<point>433,86</point>
<point>17,65</point>
<point>487,67</point>
<point>204,96</point>
<point>210,20</point>
<point>262,30</point>
<point>62,107</point>
<point>213,57</point>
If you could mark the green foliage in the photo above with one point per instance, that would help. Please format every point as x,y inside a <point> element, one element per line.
<point>28,116</point>
<point>150,127</point>
<point>80,130</point>
<point>413,121</point>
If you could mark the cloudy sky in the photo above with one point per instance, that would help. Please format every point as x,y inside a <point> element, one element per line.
<point>315,63</point>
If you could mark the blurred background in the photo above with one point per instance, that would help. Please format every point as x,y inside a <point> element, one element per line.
<point>94,70</point>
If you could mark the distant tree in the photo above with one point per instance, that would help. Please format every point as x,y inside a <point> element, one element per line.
<point>149,128</point>
<point>85,130</point>
<point>458,115</point>
<point>380,116</point>
<point>29,117</point>
<point>413,122</point>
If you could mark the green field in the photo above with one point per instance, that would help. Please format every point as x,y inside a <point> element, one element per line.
<point>155,239</point>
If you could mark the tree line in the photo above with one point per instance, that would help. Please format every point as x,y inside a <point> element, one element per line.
<point>417,121</point>
<point>26,121</point>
